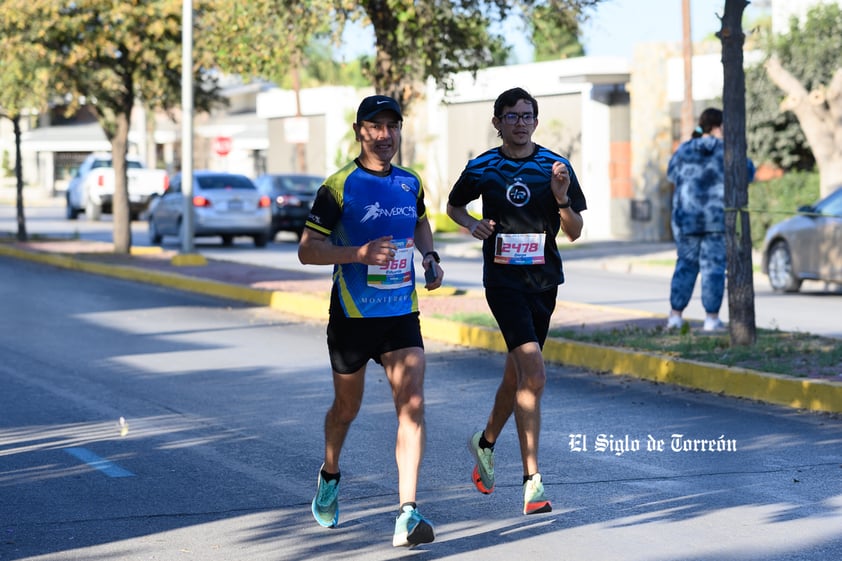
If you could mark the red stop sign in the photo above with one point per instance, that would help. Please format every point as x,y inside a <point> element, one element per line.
<point>222,145</point>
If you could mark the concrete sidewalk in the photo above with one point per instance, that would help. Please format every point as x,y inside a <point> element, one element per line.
<point>306,294</point>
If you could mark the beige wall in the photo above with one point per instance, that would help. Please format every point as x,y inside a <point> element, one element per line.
<point>281,156</point>
<point>470,131</point>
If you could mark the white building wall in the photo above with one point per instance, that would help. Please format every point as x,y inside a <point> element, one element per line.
<point>434,150</point>
<point>593,170</point>
<point>542,79</point>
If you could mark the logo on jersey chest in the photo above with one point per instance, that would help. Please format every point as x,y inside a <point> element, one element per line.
<point>518,193</point>
<point>375,211</point>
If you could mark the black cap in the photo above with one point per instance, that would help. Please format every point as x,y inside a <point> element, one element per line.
<point>374,104</point>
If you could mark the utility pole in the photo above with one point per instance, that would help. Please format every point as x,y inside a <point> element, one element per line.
<point>187,246</point>
<point>688,118</point>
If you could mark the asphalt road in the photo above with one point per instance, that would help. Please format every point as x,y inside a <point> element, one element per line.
<point>224,406</point>
<point>633,276</point>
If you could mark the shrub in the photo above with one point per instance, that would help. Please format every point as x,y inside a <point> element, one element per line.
<point>777,199</point>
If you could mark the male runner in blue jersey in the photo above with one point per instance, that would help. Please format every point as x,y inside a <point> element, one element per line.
<point>528,194</point>
<point>367,220</point>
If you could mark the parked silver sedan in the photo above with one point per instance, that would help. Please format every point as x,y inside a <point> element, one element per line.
<point>807,246</point>
<point>224,204</point>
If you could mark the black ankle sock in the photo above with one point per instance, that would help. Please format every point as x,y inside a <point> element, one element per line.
<point>528,477</point>
<point>409,504</point>
<point>483,443</point>
<point>330,476</point>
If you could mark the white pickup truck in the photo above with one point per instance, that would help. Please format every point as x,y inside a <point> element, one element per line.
<point>92,188</point>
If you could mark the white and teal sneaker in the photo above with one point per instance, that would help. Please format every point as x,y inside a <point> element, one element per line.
<point>326,502</point>
<point>483,474</point>
<point>534,500</point>
<point>412,529</point>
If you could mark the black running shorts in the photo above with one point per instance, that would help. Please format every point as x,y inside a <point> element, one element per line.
<point>523,317</point>
<point>352,342</point>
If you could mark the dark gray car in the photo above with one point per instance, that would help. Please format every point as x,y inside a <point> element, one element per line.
<point>807,246</point>
<point>292,196</point>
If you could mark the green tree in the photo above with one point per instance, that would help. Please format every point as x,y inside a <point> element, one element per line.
<point>111,55</point>
<point>413,39</point>
<point>553,37</point>
<point>804,65</point>
<point>23,85</point>
<point>773,136</point>
<point>407,52</point>
<point>322,67</point>
<point>285,30</point>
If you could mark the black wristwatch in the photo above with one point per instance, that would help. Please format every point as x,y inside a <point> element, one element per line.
<point>565,205</point>
<point>435,255</point>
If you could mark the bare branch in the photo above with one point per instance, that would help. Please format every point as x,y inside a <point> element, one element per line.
<point>815,119</point>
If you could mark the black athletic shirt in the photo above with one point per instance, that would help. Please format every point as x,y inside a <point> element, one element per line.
<point>516,194</point>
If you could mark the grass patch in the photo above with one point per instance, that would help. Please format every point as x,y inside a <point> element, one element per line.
<point>789,353</point>
<point>792,354</point>
<point>471,318</point>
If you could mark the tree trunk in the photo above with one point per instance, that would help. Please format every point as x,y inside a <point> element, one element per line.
<point>818,113</point>
<point>120,203</point>
<point>22,235</point>
<point>741,317</point>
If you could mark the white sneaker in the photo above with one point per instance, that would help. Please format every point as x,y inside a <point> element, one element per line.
<point>713,324</point>
<point>674,322</point>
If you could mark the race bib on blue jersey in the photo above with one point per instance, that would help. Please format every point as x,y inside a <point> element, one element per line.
<point>396,273</point>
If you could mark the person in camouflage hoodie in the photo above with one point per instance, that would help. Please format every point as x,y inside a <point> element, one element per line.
<point>697,169</point>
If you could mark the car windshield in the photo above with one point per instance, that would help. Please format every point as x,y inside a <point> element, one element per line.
<point>130,164</point>
<point>220,182</point>
<point>832,205</point>
<point>300,185</point>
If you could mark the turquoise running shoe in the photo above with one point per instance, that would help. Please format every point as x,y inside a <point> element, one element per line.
<point>412,529</point>
<point>483,474</point>
<point>326,502</point>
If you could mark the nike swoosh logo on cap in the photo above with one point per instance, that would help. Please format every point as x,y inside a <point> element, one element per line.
<point>382,101</point>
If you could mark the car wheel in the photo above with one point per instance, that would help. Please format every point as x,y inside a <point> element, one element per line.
<point>155,236</point>
<point>781,273</point>
<point>71,212</point>
<point>260,240</point>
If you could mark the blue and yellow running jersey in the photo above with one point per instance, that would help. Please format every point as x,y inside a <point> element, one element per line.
<point>355,206</point>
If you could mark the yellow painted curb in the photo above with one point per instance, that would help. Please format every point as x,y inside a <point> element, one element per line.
<point>304,305</point>
<point>181,282</point>
<point>463,334</point>
<point>189,260</point>
<point>815,395</point>
<point>146,250</point>
<point>799,393</point>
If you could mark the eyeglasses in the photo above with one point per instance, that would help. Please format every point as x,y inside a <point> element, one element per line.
<point>391,126</point>
<point>512,118</point>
